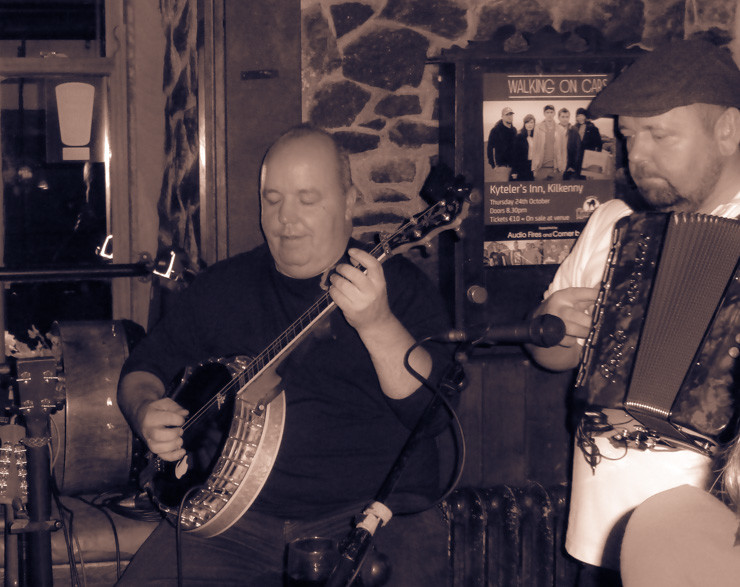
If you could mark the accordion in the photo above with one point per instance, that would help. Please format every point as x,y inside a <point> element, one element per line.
<point>666,331</point>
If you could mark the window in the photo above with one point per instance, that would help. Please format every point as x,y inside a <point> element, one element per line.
<point>56,109</point>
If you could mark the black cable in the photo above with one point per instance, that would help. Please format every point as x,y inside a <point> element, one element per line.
<point>114,530</point>
<point>67,529</point>
<point>178,532</point>
<point>112,501</point>
<point>69,533</point>
<point>358,543</point>
<point>438,395</point>
<point>76,540</point>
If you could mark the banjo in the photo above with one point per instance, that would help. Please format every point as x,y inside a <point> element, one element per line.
<point>237,410</point>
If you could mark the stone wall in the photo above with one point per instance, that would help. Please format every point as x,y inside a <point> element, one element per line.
<point>367,80</point>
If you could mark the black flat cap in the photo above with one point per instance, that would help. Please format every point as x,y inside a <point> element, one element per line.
<point>675,74</point>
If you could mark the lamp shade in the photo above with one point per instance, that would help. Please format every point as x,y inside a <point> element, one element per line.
<point>75,107</point>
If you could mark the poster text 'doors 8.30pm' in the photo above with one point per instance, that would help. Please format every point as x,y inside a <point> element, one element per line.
<point>547,164</point>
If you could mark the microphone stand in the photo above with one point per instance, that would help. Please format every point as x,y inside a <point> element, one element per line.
<point>545,330</point>
<point>356,545</point>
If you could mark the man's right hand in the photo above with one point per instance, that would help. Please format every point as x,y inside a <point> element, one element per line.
<point>161,427</point>
<point>574,306</point>
<point>155,418</point>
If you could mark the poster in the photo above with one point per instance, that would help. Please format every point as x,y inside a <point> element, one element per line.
<point>547,164</point>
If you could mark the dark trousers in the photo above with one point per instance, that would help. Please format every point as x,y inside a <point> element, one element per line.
<point>252,551</point>
<point>591,576</point>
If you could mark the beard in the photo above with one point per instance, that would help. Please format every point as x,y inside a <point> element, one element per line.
<point>659,193</point>
<point>664,196</point>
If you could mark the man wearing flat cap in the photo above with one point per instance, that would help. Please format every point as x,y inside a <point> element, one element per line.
<point>500,148</point>
<point>677,109</point>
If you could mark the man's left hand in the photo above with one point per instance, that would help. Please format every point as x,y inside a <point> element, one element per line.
<point>361,295</point>
<point>359,290</point>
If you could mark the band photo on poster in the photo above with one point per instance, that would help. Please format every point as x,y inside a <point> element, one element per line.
<point>547,164</point>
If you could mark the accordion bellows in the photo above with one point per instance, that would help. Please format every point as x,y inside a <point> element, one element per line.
<point>666,329</point>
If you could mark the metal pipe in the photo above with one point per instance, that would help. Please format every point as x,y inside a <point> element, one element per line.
<point>75,273</point>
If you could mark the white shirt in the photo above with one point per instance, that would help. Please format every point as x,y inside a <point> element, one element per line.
<point>602,498</point>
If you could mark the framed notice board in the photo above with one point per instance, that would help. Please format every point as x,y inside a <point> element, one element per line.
<point>514,122</point>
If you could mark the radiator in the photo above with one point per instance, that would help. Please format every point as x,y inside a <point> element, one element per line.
<point>506,536</point>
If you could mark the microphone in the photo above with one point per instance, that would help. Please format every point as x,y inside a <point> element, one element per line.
<point>545,331</point>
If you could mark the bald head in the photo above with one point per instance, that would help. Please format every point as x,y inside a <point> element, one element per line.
<point>344,173</point>
<point>307,199</point>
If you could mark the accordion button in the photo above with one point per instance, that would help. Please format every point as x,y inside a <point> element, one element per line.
<point>734,352</point>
